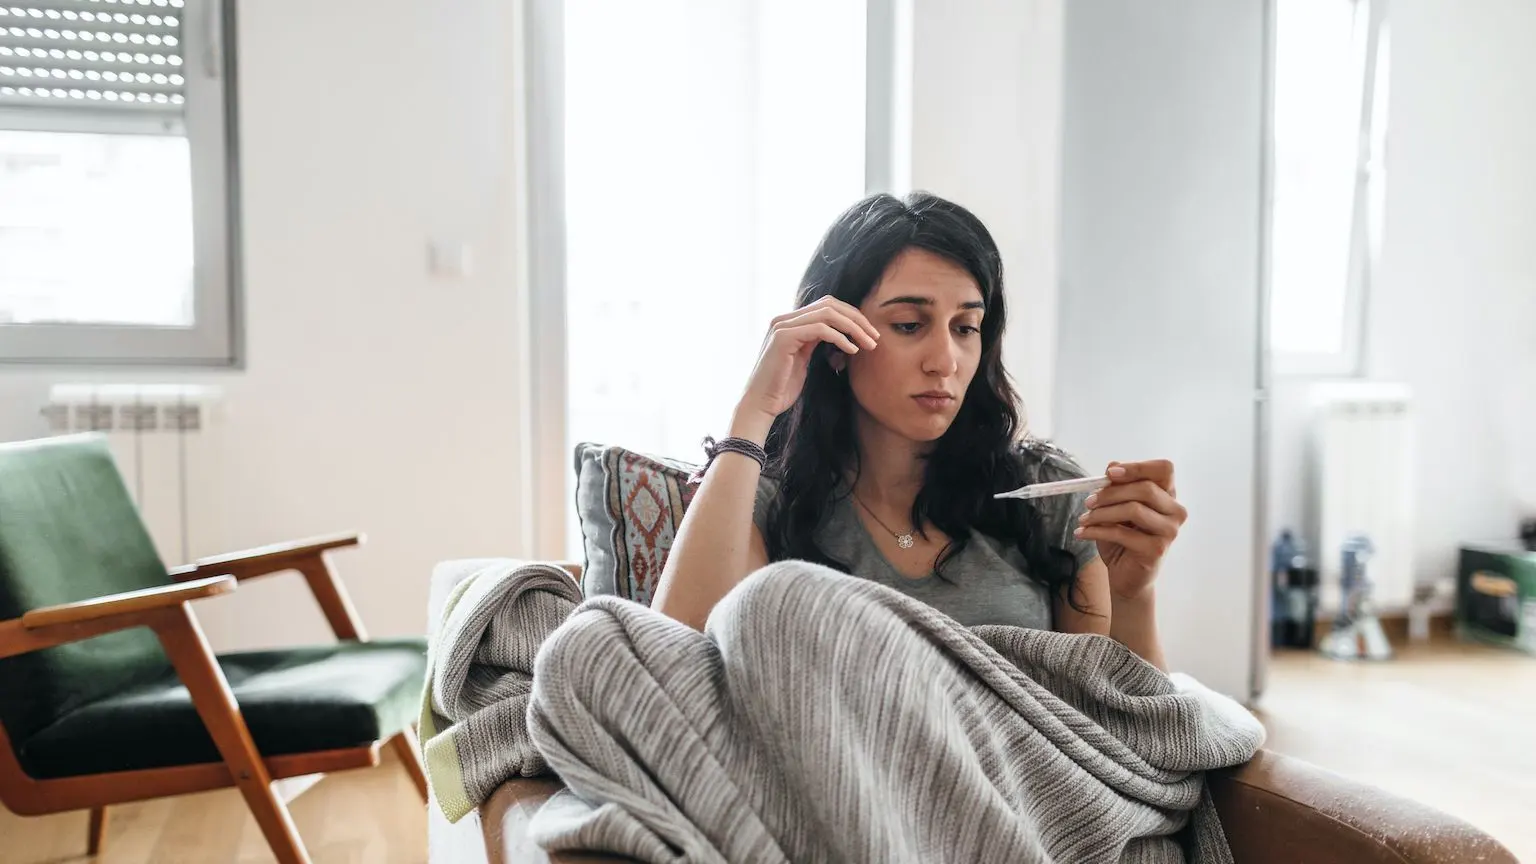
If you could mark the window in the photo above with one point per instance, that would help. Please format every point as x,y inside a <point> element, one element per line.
<point>116,228</point>
<point>1330,104</point>
<point>707,146</point>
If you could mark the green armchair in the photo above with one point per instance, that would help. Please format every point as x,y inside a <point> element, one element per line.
<point>108,691</point>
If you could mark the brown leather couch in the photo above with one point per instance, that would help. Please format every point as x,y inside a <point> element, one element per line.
<point>1275,810</point>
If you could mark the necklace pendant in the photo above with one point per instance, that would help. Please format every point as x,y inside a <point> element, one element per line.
<point>905,541</point>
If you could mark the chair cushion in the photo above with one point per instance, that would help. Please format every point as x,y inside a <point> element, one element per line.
<point>68,532</point>
<point>630,505</point>
<point>294,701</point>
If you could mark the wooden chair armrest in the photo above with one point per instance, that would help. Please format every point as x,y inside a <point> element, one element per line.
<point>127,602</point>
<point>265,560</point>
<point>72,622</point>
<point>305,556</point>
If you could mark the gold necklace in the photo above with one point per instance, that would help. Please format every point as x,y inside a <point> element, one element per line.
<point>905,541</point>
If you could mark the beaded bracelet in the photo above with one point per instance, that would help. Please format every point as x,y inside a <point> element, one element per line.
<point>712,448</point>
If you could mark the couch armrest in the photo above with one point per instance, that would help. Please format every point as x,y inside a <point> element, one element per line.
<point>1277,809</point>
<point>1274,810</point>
<point>449,573</point>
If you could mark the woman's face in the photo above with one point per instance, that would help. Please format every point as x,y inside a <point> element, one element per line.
<point>928,310</point>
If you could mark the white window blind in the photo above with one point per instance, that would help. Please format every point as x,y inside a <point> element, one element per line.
<point>65,61</point>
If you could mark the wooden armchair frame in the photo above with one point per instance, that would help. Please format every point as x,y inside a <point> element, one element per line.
<point>167,612</point>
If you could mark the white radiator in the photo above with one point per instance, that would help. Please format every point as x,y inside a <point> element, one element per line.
<point>1363,483</point>
<point>167,442</point>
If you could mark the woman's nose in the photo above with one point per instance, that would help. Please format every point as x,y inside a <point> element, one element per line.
<point>942,357</point>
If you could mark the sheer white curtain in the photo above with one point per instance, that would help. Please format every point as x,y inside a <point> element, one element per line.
<point>708,144</point>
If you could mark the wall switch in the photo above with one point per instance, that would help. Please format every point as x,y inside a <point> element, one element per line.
<point>449,258</point>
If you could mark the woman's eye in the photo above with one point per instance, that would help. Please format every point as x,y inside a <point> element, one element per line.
<point>907,327</point>
<point>968,330</point>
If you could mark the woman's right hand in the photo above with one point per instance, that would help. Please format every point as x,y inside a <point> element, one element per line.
<point>786,356</point>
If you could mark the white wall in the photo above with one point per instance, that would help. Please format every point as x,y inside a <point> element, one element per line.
<point>1161,194</point>
<point>986,126</point>
<point>377,396</point>
<point>1453,312</point>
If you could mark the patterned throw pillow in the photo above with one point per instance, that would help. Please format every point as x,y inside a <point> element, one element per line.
<point>630,505</point>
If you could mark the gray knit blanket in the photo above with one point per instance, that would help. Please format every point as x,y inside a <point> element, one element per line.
<point>820,717</point>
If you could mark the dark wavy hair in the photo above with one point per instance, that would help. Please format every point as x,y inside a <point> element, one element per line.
<point>812,446</point>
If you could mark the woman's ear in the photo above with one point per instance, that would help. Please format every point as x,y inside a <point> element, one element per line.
<point>838,361</point>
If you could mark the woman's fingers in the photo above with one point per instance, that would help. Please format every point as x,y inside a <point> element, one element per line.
<point>1139,543</point>
<point>1150,482</point>
<point>1157,471</point>
<point>1145,491</point>
<point>1137,511</point>
<point>809,334</point>
<point>853,313</point>
<point>1133,513</point>
<point>848,311</point>
<point>833,317</point>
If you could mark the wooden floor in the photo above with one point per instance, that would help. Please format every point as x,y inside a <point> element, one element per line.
<point>368,816</point>
<point>1453,726</point>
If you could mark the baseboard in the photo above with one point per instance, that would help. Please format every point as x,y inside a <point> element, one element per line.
<point>1442,628</point>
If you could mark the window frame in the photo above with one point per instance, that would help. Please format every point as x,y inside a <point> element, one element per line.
<point>210,124</point>
<point>1350,360</point>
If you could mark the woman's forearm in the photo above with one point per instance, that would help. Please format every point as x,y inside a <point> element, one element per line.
<point>1133,623</point>
<point>713,548</point>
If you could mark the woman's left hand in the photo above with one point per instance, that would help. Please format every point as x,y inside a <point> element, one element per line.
<point>1133,520</point>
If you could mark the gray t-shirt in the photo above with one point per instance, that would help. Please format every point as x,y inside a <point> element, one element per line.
<point>987,582</point>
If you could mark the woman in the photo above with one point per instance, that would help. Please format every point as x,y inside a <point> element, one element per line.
<point>877,425</point>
